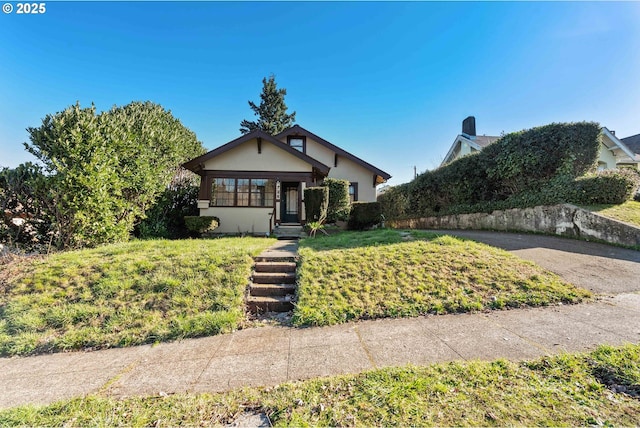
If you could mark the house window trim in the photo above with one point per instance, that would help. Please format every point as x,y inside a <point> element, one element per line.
<point>355,191</point>
<point>298,137</point>
<point>235,193</point>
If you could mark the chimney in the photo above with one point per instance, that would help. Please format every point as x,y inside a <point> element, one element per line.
<point>469,126</point>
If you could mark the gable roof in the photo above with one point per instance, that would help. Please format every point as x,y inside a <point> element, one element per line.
<point>621,145</point>
<point>196,165</point>
<point>478,142</point>
<point>633,142</point>
<point>298,130</point>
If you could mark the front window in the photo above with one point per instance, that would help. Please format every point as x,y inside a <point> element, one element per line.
<point>297,143</point>
<point>223,192</point>
<point>242,192</point>
<point>262,191</point>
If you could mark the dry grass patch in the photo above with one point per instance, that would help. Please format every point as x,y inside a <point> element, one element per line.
<point>388,273</point>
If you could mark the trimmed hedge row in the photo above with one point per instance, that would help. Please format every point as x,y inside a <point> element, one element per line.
<point>339,202</point>
<point>606,187</point>
<point>522,169</point>
<point>364,215</point>
<point>316,201</point>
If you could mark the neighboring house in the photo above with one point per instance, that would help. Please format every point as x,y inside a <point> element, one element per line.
<point>257,181</point>
<point>467,142</point>
<point>613,153</point>
<point>633,143</point>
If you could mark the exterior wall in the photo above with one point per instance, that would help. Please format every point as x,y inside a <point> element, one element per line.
<point>345,170</point>
<point>235,220</point>
<point>606,158</point>
<point>245,157</point>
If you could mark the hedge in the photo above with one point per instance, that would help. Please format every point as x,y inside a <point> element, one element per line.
<point>364,215</point>
<point>521,169</point>
<point>614,186</point>
<point>339,202</point>
<point>201,224</point>
<point>316,200</point>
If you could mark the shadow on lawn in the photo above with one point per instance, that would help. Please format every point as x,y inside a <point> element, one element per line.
<point>360,239</point>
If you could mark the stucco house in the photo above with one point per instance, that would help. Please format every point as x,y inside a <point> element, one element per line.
<point>256,182</point>
<point>614,152</point>
<point>467,142</point>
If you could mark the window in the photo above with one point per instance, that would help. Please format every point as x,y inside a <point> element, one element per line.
<point>298,143</point>
<point>242,192</point>
<point>223,192</point>
<point>262,193</point>
<point>353,192</point>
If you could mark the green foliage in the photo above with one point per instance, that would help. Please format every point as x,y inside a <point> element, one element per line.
<point>201,224</point>
<point>394,202</point>
<point>364,215</point>
<point>614,186</point>
<point>24,217</point>
<point>106,170</point>
<point>272,111</point>
<point>165,219</point>
<point>521,169</point>
<point>316,201</point>
<point>339,202</point>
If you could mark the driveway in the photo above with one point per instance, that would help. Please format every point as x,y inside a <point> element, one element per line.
<point>601,268</point>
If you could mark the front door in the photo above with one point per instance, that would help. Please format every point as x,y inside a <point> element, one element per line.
<point>289,203</point>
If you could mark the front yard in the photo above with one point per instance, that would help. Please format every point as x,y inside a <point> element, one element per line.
<point>154,291</point>
<point>389,273</point>
<point>125,294</point>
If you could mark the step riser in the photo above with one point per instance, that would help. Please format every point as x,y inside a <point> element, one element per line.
<point>266,267</point>
<point>262,307</point>
<point>274,278</point>
<point>269,291</point>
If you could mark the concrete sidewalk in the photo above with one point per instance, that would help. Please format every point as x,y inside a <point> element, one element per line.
<point>272,355</point>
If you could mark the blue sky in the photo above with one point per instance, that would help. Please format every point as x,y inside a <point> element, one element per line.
<point>389,82</point>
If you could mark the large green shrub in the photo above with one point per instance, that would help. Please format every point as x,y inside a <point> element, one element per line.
<point>364,215</point>
<point>526,168</point>
<point>316,201</point>
<point>614,186</point>
<point>339,203</point>
<point>394,202</point>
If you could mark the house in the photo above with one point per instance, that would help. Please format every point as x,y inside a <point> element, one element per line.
<point>256,182</point>
<point>614,152</point>
<point>467,142</point>
<point>633,143</point>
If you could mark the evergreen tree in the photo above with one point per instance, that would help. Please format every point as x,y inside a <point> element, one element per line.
<point>272,111</point>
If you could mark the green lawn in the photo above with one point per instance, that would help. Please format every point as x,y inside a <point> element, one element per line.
<point>629,212</point>
<point>126,294</point>
<point>567,390</point>
<point>389,273</point>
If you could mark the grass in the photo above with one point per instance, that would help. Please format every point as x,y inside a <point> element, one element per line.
<point>629,212</point>
<point>125,294</point>
<point>566,390</point>
<point>388,273</point>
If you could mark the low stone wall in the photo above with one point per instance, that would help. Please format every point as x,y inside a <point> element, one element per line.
<point>564,220</point>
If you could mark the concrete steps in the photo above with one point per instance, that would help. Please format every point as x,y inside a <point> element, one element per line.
<point>273,285</point>
<point>289,231</point>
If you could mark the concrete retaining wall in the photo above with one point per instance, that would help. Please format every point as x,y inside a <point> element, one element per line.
<point>564,220</point>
